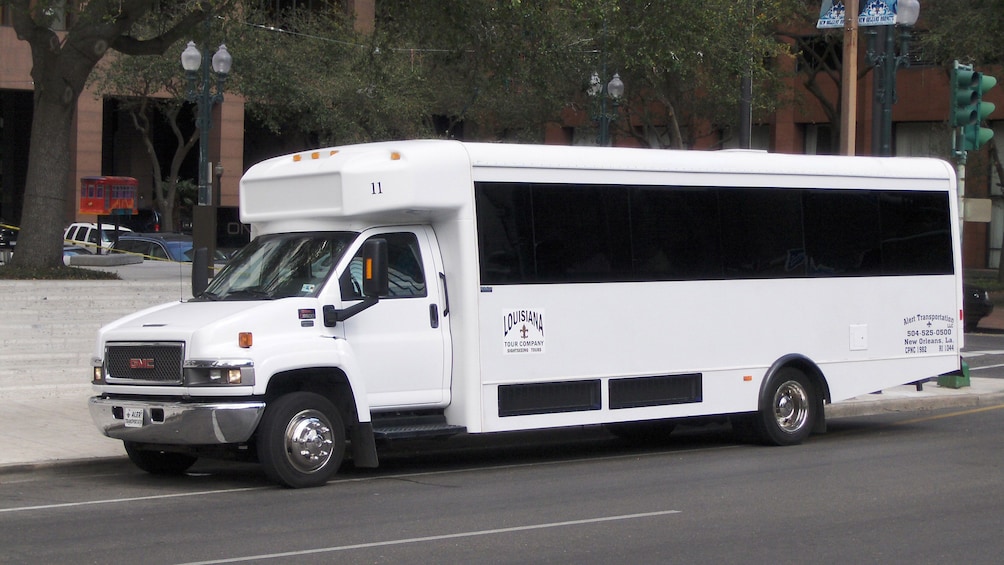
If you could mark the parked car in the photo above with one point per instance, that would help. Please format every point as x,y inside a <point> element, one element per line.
<point>161,246</point>
<point>8,237</point>
<point>88,235</point>
<point>145,220</point>
<point>72,250</point>
<point>976,305</point>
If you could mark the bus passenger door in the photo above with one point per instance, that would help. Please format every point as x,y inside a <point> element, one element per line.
<point>402,344</point>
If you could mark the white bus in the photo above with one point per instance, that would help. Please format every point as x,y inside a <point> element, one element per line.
<point>423,288</point>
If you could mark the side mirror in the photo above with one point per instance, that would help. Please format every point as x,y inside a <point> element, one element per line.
<point>375,279</point>
<point>375,283</point>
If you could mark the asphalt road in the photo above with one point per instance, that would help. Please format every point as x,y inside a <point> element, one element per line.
<point>984,352</point>
<point>909,488</point>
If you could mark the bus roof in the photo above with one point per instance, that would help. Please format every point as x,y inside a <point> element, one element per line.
<point>748,163</point>
<point>420,180</point>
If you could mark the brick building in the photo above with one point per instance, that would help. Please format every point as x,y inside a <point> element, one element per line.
<point>106,144</point>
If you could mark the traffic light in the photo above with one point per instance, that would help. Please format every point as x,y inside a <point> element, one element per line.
<point>968,107</point>
<point>964,96</point>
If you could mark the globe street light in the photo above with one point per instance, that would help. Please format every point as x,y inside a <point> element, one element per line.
<point>614,91</point>
<point>199,91</point>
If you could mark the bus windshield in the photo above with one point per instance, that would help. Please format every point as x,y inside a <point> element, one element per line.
<point>279,266</point>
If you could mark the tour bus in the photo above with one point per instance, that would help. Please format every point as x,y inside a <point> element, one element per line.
<point>429,287</point>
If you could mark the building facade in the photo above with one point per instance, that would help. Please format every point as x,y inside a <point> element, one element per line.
<point>105,142</point>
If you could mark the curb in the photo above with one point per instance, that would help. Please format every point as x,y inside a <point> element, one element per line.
<point>852,408</point>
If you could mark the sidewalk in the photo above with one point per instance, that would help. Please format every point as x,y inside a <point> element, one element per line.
<point>49,423</point>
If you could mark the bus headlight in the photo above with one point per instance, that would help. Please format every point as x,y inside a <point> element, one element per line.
<point>221,372</point>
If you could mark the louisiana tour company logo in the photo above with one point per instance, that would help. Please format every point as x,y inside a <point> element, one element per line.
<point>523,331</point>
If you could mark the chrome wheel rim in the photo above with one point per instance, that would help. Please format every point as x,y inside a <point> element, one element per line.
<point>791,406</point>
<point>308,441</point>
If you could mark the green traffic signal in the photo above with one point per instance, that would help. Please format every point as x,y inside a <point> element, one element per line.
<point>965,95</point>
<point>968,108</point>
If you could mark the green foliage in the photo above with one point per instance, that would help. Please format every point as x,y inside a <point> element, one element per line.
<point>501,69</point>
<point>688,56</point>
<point>967,30</point>
<point>311,72</point>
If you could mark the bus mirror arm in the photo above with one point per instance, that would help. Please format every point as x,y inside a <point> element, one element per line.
<point>332,316</point>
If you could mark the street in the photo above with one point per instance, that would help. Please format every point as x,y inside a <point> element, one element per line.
<point>905,487</point>
<point>984,352</point>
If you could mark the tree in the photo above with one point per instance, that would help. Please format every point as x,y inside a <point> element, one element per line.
<point>151,90</point>
<point>967,31</point>
<point>683,62</point>
<point>316,81</point>
<point>61,65</point>
<point>487,69</point>
<point>498,70</point>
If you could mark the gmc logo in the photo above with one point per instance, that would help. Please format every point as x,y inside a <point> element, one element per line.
<point>141,363</point>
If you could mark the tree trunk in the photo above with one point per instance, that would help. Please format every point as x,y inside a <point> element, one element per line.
<point>45,207</point>
<point>60,67</point>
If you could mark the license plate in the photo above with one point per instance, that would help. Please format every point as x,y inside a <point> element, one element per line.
<point>133,417</point>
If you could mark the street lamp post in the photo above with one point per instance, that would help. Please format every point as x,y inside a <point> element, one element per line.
<point>199,92</point>
<point>612,91</point>
<point>886,62</point>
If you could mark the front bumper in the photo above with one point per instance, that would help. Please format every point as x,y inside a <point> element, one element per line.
<point>177,423</point>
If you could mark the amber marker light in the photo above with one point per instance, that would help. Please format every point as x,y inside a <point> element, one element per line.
<point>244,339</point>
<point>395,156</point>
<point>747,378</point>
<point>369,269</point>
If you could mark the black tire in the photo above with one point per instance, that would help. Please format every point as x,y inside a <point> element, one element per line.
<point>301,440</point>
<point>789,410</point>
<point>158,462</point>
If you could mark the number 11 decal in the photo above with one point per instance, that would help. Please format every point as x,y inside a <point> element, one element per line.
<point>376,188</point>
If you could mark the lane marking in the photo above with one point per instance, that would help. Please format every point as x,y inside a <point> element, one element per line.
<point>398,477</point>
<point>949,415</point>
<point>441,537</point>
<point>999,365</point>
<point>133,499</point>
<point>966,354</point>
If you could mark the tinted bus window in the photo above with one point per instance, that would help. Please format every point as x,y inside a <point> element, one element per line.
<point>594,233</point>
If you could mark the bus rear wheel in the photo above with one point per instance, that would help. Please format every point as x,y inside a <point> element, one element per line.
<point>790,410</point>
<point>301,440</point>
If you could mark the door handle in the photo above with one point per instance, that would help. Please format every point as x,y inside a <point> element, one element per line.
<point>434,315</point>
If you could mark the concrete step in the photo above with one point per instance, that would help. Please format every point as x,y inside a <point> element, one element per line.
<point>48,328</point>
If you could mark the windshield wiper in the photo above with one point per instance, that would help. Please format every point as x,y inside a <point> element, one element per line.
<point>206,295</point>
<point>247,292</point>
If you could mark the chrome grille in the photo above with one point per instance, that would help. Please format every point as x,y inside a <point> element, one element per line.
<point>145,363</point>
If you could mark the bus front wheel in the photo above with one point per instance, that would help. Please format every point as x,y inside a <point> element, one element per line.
<point>789,411</point>
<point>301,440</point>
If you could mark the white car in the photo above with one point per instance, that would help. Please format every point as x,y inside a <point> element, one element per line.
<point>88,235</point>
